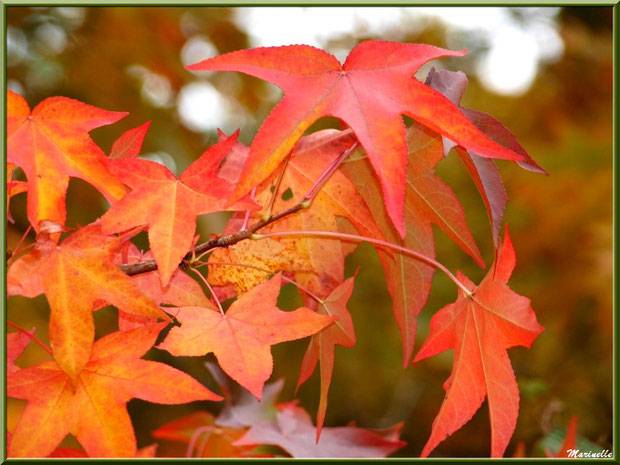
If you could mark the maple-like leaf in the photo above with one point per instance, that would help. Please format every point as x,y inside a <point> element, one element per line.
<point>483,171</point>
<point>16,343</point>
<point>169,206</point>
<point>480,328</point>
<point>428,200</point>
<point>294,432</point>
<point>74,276</point>
<point>242,338</point>
<point>93,408</point>
<point>51,144</point>
<point>369,92</point>
<point>129,144</point>
<point>322,344</point>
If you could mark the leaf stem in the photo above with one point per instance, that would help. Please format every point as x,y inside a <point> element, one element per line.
<point>204,280</point>
<point>31,336</point>
<point>337,235</point>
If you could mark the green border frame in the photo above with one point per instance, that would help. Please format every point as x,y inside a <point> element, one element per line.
<point>164,3</point>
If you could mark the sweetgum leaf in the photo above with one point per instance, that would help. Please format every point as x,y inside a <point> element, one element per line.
<point>51,144</point>
<point>74,276</point>
<point>93,407</point>
<point>480,328</point>
<point>241,339</point>
<point>369,92</point>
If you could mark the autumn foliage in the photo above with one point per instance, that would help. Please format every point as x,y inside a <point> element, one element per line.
<point>371,181</point>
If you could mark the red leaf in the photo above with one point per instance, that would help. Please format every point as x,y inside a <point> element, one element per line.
<point>74,276</point>
<point>93,409</point>
<point>322,344</point>
<point>480,328</point>
<point>483,171</point>
<point>51,144</point>
<point>375,80</point>
<point>242,338</point>
<point>129,144</point>
<point>169,206</point>
<point>293,431</point>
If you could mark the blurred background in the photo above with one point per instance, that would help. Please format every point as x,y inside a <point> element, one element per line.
<point>546,73</point>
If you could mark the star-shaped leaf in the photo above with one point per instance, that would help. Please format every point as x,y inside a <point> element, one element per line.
<point>370,92</point>
<point>51,144</point>
<point>241,339</point>
<point>93,408</point>
<point>74,276</point>
<point>480,328</point>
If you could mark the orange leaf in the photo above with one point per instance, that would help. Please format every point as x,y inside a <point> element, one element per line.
<point>93,409</point>
<point>242,338</point>
<point>480,328</point>
<point>370,92</point>
<point>51,144</point>
<point>169,206</point>
<point>74,276</point>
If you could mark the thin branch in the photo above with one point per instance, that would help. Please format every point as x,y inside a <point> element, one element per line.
<point>337,235</point>
<point>31,336</point>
